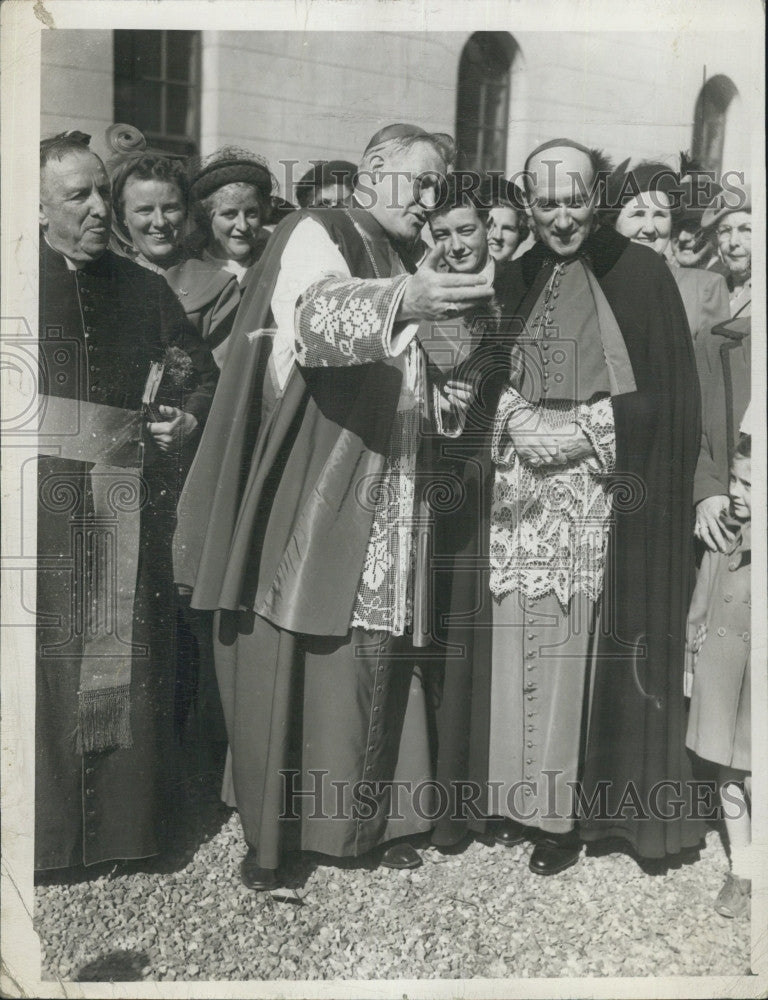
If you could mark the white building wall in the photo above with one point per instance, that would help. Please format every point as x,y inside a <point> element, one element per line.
<point>77,83</point>
<point>322,95</point>
<point>631,95</point>
<point>311,95</point>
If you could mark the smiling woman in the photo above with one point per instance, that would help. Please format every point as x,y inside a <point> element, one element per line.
<point>647,220</point>
<point>150,198</point>
<point>231,196</point>
<point>154,212</point>
<point>646,199</point>
<point>149,194</point>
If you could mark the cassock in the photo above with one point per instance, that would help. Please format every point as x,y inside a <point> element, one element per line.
<point>299,524</point>
<point>105,608</point>
<point>548,527</point>
<point>631,705</point>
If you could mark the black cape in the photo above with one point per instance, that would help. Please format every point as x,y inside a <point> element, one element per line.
<point>636,731</point>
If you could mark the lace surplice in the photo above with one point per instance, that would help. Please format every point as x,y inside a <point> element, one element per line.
<point>346,322</point>
<point>549,526</point>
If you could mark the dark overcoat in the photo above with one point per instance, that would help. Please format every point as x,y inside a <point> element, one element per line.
<point>724,358</point>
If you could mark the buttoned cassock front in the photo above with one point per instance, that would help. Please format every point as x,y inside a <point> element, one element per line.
<point>100,329</point>
<point>549,529</point>
<point>636,730</point>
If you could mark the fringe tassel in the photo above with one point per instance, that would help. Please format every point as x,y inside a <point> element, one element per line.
<point>104,720</point>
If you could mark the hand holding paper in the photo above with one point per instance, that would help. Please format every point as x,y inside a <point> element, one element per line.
<point>170,432</point>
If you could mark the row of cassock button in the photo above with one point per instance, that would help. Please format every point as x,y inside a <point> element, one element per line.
<point>529,688</point>
<point>90,814</point>
<point>94,389</point>
<point>540,323</point>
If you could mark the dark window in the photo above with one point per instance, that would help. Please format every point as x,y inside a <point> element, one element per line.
<point>482,107</point>
<point>710,120</point>
<point>157,86</point>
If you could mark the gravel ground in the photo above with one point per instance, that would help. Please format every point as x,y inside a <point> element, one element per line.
<point>479,913</point>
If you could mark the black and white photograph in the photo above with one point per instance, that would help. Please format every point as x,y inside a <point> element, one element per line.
<point>378,413</point>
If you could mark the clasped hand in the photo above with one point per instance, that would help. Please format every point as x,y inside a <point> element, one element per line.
<point>455,397</point>
<point>433,294</point>
<point>541,445</point>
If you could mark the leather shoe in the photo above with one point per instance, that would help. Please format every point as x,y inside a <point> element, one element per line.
<point>457,847</point>
<point>554,854</point>
<point>401,857</point>
<point>253,876</point>
<point>508,833</point>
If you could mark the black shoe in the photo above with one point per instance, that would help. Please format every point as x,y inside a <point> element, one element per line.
<point>456,847</point>
<point>508,833</point>
<point>253,876</point>
<point>554,853</point>
<point>401,857</point>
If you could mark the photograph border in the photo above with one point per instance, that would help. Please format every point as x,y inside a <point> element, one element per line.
<point>23,22</point>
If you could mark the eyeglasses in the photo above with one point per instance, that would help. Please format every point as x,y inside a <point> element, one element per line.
<point>728,231</point>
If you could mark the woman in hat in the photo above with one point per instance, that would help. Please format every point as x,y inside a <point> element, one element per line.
<point>150,195</point>
<point>642,205</point>
<point>231,202</point>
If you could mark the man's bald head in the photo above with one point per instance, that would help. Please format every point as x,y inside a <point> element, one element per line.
<point>562,194</point>
<point>559,165</point>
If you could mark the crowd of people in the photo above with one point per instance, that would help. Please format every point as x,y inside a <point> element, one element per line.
<point>430,497</point>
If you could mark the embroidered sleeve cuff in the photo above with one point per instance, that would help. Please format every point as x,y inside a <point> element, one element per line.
<point>350,321</point>
<point>596,420</point>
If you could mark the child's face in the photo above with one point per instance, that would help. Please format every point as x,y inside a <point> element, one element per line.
<point>740,488</point>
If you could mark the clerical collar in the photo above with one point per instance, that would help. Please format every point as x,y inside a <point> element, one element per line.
<point>363,218</point>
<point>72,265</point>
<point>601,249</point>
